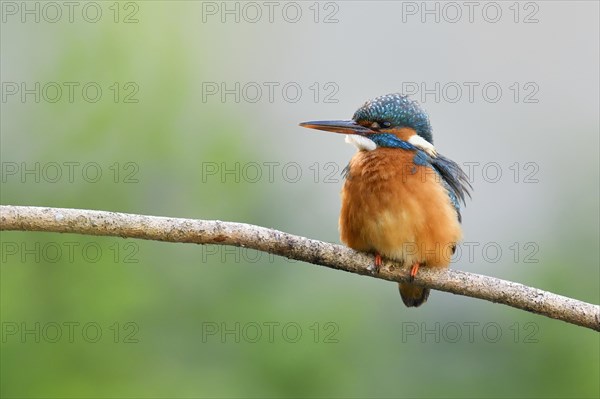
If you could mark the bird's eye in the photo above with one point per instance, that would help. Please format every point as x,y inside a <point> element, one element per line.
<point>386,124</point>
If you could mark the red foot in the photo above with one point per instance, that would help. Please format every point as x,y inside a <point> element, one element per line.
<point>374,268</point>
<point>413,271</point>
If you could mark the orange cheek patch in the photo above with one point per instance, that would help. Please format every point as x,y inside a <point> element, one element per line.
<point>403,133</point>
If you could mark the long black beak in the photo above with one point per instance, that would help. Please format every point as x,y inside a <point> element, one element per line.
<point>344,127</point>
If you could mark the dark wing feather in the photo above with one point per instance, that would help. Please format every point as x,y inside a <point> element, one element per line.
<point>454,179</point>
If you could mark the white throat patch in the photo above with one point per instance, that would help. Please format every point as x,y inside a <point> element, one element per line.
<point>361,142</point>
<point>423,144</point>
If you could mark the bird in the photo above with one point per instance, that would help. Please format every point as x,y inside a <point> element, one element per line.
<point>401,199</point>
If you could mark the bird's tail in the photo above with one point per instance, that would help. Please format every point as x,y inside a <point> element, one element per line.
<point>413,295</point>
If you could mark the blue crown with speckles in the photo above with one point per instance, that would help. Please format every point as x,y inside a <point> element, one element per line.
<point>399,110</point>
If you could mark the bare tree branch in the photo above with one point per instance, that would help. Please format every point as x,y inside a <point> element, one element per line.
<point>101,223</point>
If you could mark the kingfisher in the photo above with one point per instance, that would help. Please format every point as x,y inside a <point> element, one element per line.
<point>401,198</point>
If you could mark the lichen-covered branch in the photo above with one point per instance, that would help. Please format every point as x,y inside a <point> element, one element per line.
<point>101,223</point>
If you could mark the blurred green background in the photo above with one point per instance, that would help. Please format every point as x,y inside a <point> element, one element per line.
<point>103,317</point>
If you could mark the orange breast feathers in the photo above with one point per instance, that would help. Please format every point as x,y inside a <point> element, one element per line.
<point>398,209</point>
